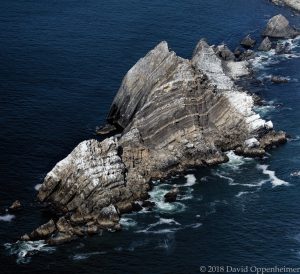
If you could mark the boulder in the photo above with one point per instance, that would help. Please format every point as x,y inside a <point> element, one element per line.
<point>171,196</point>
<point>15,205</point>
<point>265,45</point>
<point>225,53</point>
<point>248,42</point>
<point>279,27</point>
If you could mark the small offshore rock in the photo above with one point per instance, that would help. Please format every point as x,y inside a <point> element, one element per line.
<point>295,174</point>
<point>136,207</point>
<point>15,205</point>
<point>148,204</point>
<point>265,45</point>
<point>25,237</point>
<point>108,128</point>
<point>279,79</point>
<point>171,196</point>
<point>248,42</point>
<point>279,27</point>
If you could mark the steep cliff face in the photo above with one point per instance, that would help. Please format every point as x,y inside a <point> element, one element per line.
<point>173,113</point>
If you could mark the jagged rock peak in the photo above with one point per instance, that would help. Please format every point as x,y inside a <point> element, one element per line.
<point>173,113</point>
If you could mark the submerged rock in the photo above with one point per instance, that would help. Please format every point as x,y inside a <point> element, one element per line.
<point>279,27</point>
<point>265,45</point>
<point>173,114</point>
<point>279,79</point>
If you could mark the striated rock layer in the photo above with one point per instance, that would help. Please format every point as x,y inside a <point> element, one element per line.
<point>173,113</point>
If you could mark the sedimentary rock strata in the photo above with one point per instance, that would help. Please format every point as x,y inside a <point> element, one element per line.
<point>173,113</point>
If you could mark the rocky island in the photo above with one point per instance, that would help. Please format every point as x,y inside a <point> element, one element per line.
<point>169,114</point>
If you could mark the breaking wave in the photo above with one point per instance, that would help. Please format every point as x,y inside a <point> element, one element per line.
<point>157,196</point>
<point>7,218</point>
<point>25,249</point>
<point>275,181</point>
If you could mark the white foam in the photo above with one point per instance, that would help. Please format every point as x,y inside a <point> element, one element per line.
<point>264,110</point>
<point>157,196</point>
<point>127,222</point>
<point>295,174</point>
<point>194,226</point>
<point>220,175</point>
<point>7,218</point>
<point>190,180</point>
<point>24,249</point>
<point>83,256</point>
<point>241,193</point>
<point>37,187</point>
<point>152,228</point>
<point>273,178</point>
<point>265,59</point>
<point>235,161</point>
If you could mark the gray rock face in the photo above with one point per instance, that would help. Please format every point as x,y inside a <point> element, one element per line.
<point>248,42</point>
<point>295,4</point>
<point>265,45</point>
<point>225,53</point>
<point>174,113</point>
<point>279,27</point>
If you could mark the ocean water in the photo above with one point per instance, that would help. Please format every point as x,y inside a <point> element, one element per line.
<point>61,63</point>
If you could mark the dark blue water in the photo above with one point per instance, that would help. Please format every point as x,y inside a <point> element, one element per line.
<point>61,63</point>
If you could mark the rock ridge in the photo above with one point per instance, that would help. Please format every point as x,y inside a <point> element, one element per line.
<point>173,113</point>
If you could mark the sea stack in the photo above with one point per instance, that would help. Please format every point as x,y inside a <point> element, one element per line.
<point>172,113</point>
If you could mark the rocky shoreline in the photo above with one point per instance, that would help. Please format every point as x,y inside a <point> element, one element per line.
<point>170,114</point>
